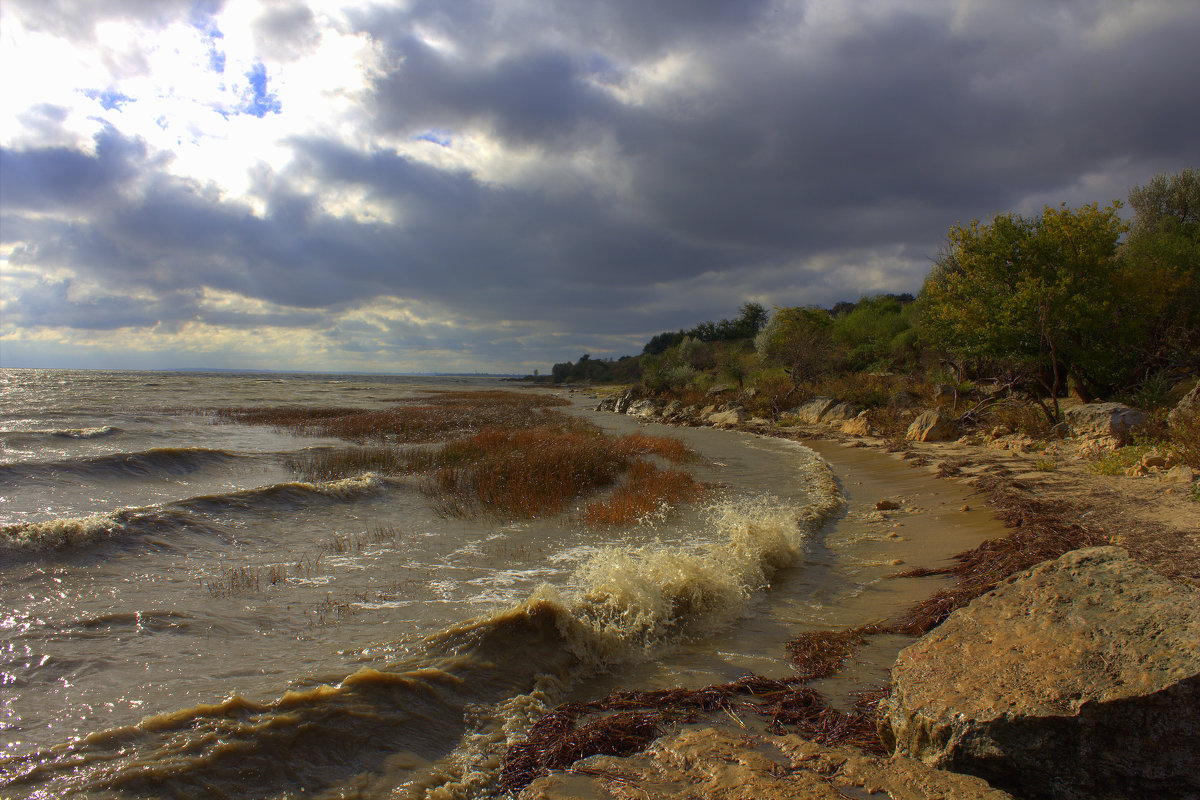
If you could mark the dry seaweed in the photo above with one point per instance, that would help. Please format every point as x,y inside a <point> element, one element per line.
<point>625,722</point>
<point>819,654</point>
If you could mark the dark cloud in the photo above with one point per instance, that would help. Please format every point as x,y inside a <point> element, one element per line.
<point>789,159</point>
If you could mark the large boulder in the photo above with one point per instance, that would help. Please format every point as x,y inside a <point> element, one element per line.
<point>1187,408</point>
<point>710,764</point>
<point>1078,678</point>
<point>859,426</point>
<point>813,410</point>
<point>1104,421</point>
<point>647,408</point>
<point>839,413</point>
<point>728,417</point>
<point>932,426</point>
<point>620,403</point>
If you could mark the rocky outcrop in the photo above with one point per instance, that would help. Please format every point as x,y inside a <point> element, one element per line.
<point>728,417</point>
<point>812,411</point>
<point>647,408</point>
<point>620,403</point>
<point>859,426</point>
<point>1078,678</point>
<point>839,413</point>
<point>1187,408</point>
<point>715,765</point>
<point>1104,421</point>
<point>931,426</point>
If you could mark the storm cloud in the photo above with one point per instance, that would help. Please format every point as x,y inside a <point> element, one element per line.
<point>508,185</point>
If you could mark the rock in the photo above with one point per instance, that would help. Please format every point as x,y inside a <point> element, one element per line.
<point>902,399</point>
<point>886,505</point>
<point>1104,420</point>
<point>711,764</point>
<point>811,412</point>
<point>1153,459</point>
<point>1137,471</point>
<point>622,403</point>
<point>646,409</point>
<point>931,426</point>
<point>1180,473</point>
<point>718,389</point>
<point>859,426</point>
<point>1185,409</point>
<point>1078,678</point>
<point>728,417</point>
<point>839,413</point>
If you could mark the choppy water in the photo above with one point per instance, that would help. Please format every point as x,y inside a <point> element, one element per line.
<point>180,616</point>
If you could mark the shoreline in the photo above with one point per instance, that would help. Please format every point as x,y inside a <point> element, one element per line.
<point>1034,491</point>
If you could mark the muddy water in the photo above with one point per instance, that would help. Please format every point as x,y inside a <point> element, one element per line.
<point>844,578</point>
<point>183,617</point>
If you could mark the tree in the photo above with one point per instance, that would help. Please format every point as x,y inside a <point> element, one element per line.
<point>800,340</point>
<point>1037,294</point>
<point>1161,273</point>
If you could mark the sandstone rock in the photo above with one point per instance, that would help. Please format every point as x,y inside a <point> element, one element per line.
<point>1180,473</point>
<point>710,764</point>
<point>931,426</point>
<point>1104,420</point>
<point>811,412</point>
<point>648,408</point>
<point>1078,678</point>
<point>1153,459</point>
<point>839,413</point>
<point>1187,408</point>
<point>625,399</point>
<point>728,417</point>
<point>859,426</point>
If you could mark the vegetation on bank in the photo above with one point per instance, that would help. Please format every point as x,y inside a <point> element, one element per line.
<point>506,453</point>
<point>1016,314</point>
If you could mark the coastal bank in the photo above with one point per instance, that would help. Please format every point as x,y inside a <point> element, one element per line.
<point>1062,662</point>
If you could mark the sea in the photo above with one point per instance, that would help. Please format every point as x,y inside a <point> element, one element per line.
<point>182,615</point>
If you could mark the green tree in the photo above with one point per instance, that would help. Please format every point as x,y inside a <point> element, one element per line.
<point>876,332</point>
<point>1161,274</point>
<point>1037,294</point>
<point>800,340</point>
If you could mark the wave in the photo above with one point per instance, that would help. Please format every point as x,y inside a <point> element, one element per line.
<point>62,433</point>
<point>434,723</point>
<point>148,463</point>
<point>71,533</point>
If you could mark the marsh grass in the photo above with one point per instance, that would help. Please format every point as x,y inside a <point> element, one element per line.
<point>439,416</point>
<point>505,453</point>
<point>645,491</point>
<point>316,466</point>
<point>536,472</point>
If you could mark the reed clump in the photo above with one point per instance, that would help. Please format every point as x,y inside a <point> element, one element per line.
<point>419,420</point>
<point>645,491</point>
<point>536,472</point>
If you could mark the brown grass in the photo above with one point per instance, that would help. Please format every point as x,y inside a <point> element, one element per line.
<point>646,490</point>
<point>442,415</point>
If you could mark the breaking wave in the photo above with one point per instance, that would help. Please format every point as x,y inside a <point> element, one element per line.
<point>433,722</point>
<point>148,463</point>
<point>161,520</point>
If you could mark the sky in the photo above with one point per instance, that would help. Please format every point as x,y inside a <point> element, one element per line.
<point>468,186</point>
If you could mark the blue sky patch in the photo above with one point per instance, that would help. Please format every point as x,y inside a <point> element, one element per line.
<point>256,100</point>
<point>109,98</point>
